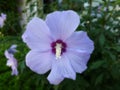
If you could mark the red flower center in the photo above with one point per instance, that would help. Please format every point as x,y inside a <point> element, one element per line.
<point>61,44</point>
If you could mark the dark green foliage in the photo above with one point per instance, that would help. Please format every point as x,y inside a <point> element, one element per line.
<point>103,71</point>
<point>11,9</point>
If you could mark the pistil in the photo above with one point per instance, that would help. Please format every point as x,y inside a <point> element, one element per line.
<point>58,49</point>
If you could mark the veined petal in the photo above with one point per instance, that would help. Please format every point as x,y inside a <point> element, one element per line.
<point>37,35</point>
<point>78,60</point>
<point>61,69</point>
<point>55,76</point>
<point>80,42</point>
<point>39,62</point>
<point>62,24</point>
<point>64,66</point>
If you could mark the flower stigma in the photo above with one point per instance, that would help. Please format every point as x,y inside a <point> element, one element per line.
<point>58,50</point>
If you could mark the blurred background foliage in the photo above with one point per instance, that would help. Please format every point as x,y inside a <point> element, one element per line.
<point>10,8</point>
<point>99,18</point>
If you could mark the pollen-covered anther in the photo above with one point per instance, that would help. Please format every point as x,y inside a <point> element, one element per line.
<point>58,49</point>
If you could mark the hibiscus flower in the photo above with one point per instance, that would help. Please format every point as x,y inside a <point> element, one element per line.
<point>2,19</point>
<point>12,62</point>
<point>54,45</point>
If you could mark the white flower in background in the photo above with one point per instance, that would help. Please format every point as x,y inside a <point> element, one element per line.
<point>111,19</point>
<point>115,22</point>
<point>84,13</point>
<point>93,14</point>
<point>86,4</point>
<point>100,1</point>
<point>117,8</point>
<point>114,30</point>
<point>95,20</point>
<point>12,62</point>
<point>119,41</point>
<point>60,1</point>
<point>107,27</point>
<point>110,8</point>
<point>118,18</point>
<point>99,15</point>
<point>112,0</point>
<point>2,19</point>
<point>95,4</point>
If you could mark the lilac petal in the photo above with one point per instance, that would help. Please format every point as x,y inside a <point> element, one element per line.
<point>11,62</point>
<point>14,46</point>
<point>14,71</point>
<point>15,62</point>
<point>64,66</point>
<point>78,60</point>
<point>7,55</point>
<point>3,16</point>
<point>61,69</point>
<point>62,24</point>
<point>55,76</point>
<point>12,49</point>
<point>80,42</point>
<point>37,35</point>
<point>1,22</point>
<point>2,19</point>
<point>39,62</point>
<point>66,69</point>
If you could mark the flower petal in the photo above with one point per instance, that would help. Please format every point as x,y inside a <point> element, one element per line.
<point>11,62</point>
<point>61,69</point>
<point>8,55</point>
<point>55,76</point>
<point>39,62</point>
<point>78,60</point>
<point>64,66</point>
<point>3,16</point>
<point>1,22</point>
<point>80,42</point>
<point>37,36</point>
<point>62,24</point>
<point>14,70</point>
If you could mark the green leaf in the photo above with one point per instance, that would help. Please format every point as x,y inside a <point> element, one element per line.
<point>117,48</point>
<point>97,64</point>
<point>22,66</point>
<point>99,79</point>
<point>101,39</point>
